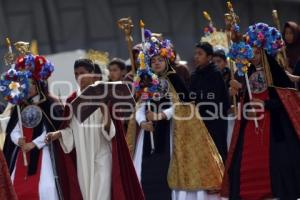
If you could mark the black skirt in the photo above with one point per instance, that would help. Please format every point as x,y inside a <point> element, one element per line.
<point>155,166</point>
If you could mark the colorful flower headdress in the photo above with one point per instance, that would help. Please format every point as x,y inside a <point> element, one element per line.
<point>263,36</point>
<point>14,84</point>
<point>38,66</point>
<point>155,46</point>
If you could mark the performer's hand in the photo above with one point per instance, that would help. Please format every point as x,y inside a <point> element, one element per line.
<point>52,136</point>
<point>235,84</point>
<point>21,142</point>
<point>28,147</point>
<point>233,91</point>
<point>292,77</point>
<point>106,120</point>
<point>251,114</point>
<point>232,110</point>
<point>147,126</point>
<point>152,116</point>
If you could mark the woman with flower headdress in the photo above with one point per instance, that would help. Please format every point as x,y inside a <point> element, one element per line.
<point>263,161</point>
<point>185,157</point>
<point>39,178</point>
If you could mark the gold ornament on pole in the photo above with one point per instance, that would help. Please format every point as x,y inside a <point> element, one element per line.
<point>22,47</point>
<point>9,57</point>
<point>125,24</point>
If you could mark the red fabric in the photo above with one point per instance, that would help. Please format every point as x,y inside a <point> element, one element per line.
<point>67,174</point>
<point>291,101</point>
<point>66,164</point>
<point>234,140</point>
<point>27,187</point>
<point>125,183</point>
<point>255,180</point>
<point>7,191</point>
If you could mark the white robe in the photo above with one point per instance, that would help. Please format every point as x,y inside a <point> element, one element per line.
<point>47,188</point>
<point>94,155</point>
<point>138,159</point>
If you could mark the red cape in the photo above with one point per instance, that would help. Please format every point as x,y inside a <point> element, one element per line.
<point>125,183</point>
<point>66,164</point>
<point>7,191</point>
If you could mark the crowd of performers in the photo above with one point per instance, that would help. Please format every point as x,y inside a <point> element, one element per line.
<point>179,143</point>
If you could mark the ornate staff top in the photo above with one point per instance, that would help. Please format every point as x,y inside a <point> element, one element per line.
<point>126,25</point>
<point>22,47</point>
<point>208,18</point>
<point>232,20</point>
<point>9,57</point>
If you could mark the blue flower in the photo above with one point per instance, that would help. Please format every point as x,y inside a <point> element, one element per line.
<point>147,34</point>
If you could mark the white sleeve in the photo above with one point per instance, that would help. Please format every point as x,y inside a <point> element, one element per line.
<point>15,135</point>
<point>40,141</point>
<point>140,114</point>
<point>169,112</point>
<point>67,138</point>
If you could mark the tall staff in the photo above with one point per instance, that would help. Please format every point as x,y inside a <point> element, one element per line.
<point>9,59</point>
<point>142,26</point>
<point>282,54</point>
<point>235,38</point>
<point>228,22</point>
<point>125,24</point>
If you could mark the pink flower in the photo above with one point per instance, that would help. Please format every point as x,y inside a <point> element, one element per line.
<point>135,84</point>
<point>260,36</point>
<point>155,82</point>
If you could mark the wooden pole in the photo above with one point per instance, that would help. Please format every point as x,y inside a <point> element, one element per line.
<point>22,134</point>
<point>282,54</point>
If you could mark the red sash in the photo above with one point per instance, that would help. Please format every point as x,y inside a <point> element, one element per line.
<point>255,180</point>
<point>27,187</point>
<point>291,101</point>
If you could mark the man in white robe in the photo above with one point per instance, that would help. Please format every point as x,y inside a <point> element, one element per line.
<point>92,141</point>
<point>93,153</point>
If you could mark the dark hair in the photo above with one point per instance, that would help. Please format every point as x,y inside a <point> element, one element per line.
<point>97,69</point>
<point>206,47</point>
<point>119,62</point>
<point>86,63</point>
<point>220,53</point>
